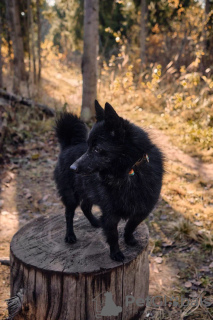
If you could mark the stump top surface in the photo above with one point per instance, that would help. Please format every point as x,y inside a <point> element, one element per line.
<point>40,244</point>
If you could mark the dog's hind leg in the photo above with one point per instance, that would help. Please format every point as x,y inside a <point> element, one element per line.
<point>110,226</point>
<point>130,227</point>
<point>69,214</point>
<point>86,207</point>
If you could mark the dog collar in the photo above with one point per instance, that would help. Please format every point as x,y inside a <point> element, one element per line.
<point>145,158</point>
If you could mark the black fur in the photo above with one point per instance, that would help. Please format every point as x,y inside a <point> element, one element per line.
<point>70,130</point>
<point>99,173</point>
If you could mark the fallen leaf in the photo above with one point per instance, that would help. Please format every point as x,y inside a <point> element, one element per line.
<point>45,197</point>
<point>171,212</point>
<point>211,265</point>
<point>167,244</point>
<point>12,175</point>
<point>158,260</point>
<point>198,223</point>
<point>197,283</point>
<point>35,156</point>
<point>188,284</point>
<point>205,269</point>
<point>193,294</point>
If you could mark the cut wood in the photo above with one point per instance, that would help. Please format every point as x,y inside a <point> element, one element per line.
<point>27,102</point>
<point>63,281</point>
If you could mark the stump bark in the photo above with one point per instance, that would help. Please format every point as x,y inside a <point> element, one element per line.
<point>53,280</point>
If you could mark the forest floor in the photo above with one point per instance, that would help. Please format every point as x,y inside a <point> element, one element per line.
<point>181,243</point>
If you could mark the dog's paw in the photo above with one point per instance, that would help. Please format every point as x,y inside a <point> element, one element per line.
<point>131,241</point>
<point>71,238</point>
<point>96,223</point>
<point>117,256</point>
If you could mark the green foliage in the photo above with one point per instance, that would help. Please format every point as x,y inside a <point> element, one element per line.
<point>115,21</point>
<point>163,12</point>
<point>66,20</point>
<point>3,19</point>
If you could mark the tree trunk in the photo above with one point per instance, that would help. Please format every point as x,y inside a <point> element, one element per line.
<point>39,38</point>
<point>1,80</point>
<point>32,41</point>
<point>143,32</point>
<point>207,7</point>
<point>205,38</point>
<point>207,10</point>
<point>89,61</point>
<point>53,280</point>
<point>28,48</point>
<point>17,42</point>
<point>8,37</point>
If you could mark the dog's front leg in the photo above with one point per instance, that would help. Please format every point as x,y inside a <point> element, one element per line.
<point>70,235</point>
<point>110,227</point>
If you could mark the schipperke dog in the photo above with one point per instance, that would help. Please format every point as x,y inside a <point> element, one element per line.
<point>115,166</point>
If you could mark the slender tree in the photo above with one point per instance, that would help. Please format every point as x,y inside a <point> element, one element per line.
<point>143,31</point>
<point>39,38</point>
<point>1,80</point>
<point>8,39</point>
<point>32,36</point>
<point>89,61</point>
<point>28,47</point>
<point>207,11</point>
<point>207,6</point>
<point>17,43</point>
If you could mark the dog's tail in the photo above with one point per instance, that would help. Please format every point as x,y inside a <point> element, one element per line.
<point>70,130</point>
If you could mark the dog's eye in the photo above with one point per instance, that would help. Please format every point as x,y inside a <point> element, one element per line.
<point>97,149</point>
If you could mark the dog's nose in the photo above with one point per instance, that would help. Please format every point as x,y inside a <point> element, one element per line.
<point>74,167</point>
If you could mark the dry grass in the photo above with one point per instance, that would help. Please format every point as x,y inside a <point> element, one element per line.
<point>184,229</point>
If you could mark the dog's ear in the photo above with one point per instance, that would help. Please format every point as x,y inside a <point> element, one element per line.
<point>113,121</point>
<point>99,111</point>
<point>111,117</point>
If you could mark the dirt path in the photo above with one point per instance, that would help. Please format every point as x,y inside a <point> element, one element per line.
<point>205,170</point>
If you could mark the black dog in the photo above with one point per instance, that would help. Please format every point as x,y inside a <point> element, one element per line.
<point>117,168</point>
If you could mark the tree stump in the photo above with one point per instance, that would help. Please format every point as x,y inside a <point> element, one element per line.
<point>52,280</point>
